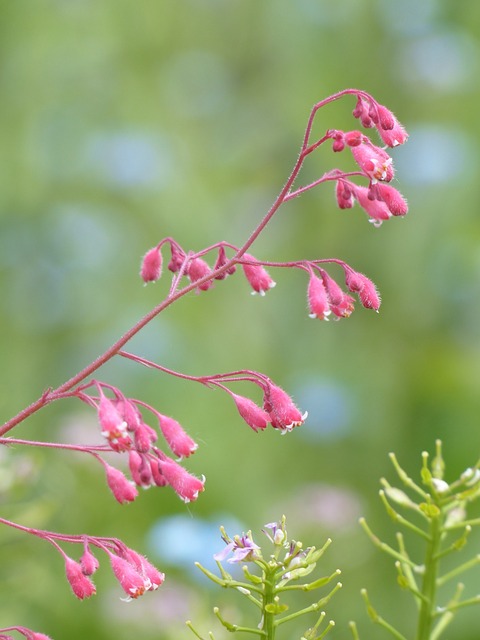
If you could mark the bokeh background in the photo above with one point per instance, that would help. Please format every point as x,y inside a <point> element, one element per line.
<point>123,122</point>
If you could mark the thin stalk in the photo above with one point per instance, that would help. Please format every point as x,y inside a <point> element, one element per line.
<point>429,584</point>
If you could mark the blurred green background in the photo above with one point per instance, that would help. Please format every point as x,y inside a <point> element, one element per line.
<point>124,122</point>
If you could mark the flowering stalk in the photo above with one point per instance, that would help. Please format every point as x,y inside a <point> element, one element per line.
<point>123,425</point>
<point>442,510</point>
<point>265,587</point>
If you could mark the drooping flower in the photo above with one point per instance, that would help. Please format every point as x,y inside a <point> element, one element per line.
<point>151,268</point>
<point>185,485</point>
<point>394,200</point>
<point>341,304</point>
<point>374,161</point>
<point>145,568</point>
<point>254,416</point>
<point>317,297</point>
<point>144,436</point>
<point>177,259</point>
<point>344,195</point>
<point>131,581</point>
<point>179,442</point>
<point>257,276</point>
<point>220,262</point>
<point>377,210</point>
<point>81,585</point>
<point>279,405</point>
<point>122,489</point>
<point>88,561</point>
<point>198,269</point>
<point>114,427</point>
<point>364,287</point>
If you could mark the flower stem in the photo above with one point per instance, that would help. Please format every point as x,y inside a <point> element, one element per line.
<point>429,585</point>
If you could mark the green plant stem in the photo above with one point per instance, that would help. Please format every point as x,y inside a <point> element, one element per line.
<point>269,626</point>
<point>429,584</point>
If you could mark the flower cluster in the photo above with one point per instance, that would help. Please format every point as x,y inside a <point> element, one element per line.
<point>124,429</point>
<point>134,572</point>
<point>124,421</point>
<point>268,576</point>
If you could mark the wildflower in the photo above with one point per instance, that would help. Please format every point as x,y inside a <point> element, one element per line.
<point>144,437</point>
<point>122,489</point>
<point>254,416</point>
<point>344,195</point>
<point>185,485</point>
<point>367,292</point>
<point>377,210</point>
<point>177,259</point>
<point>198,269</point>
<point>257,276</point>
<point>341,304</point>
<point>157,476</point>
<point>278,534</point>
<point>317,297</point>
<point>88,562</point>
<point>396,203</point>
<point>145,568</point>
<point>131,581</point>
<point>130,414</point>
<point>151,268</point>
<point>363,112</point>
<point>81,585</point>
<point>373,161</point>
<point>179,442</point>
<point>243,547</point>
<point>283,413</point>
<point>220,262</point>
<point>389,128</point>
<point>114,427</point>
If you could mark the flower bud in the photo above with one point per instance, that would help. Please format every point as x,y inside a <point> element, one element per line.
<point>254,416</point>
<point>122,489</point>
<point>82,586</point>
<point>198,269</point>
<point>317,298</point>
<point>185,485</point>
<point>257,276</point>
<point>178,440</point>
<point>151,268</point>
<point>281,408</point>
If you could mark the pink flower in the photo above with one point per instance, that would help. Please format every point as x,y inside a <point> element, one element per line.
<point>281,408</point>
<point>373,161</point>
<point>122,489</point>
<point>186,486</point>
<point>317,297</point>
<point>88,562</point>
<point>220,262</point>
<point>396,203</point>
<point>177,439</point>
<point>131,581</point>
<point>377,210</point>
<point>140,469</point>
<point>177,259</point>
<point>151,268</point>
<point>82,586</point>
<point>114,427</point>
<point>257,276</point>
<point>157,476</point>
<point>367,292</point>
<point>390,130</point>
<point>341,304</point>
<point>130,414</point>
<point>344,195</point>
<point>198,269</point>
<point>253,415</point>
<point>144,437</point>
<point>145,568</point>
